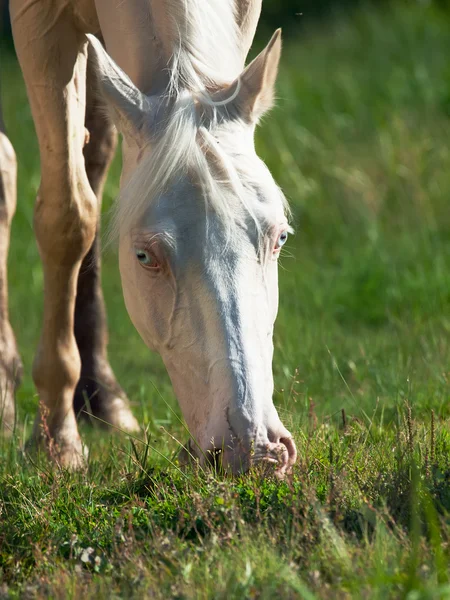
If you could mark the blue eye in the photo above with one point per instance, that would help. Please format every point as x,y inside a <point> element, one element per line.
<point>145,258</point>
<point>281,240</point>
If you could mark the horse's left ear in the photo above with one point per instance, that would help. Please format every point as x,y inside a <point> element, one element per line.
<point>256,85</point>
<point>129,107</point>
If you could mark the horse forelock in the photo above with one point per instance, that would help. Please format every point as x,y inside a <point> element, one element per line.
<point>185,145</point>
<point>206,58</point>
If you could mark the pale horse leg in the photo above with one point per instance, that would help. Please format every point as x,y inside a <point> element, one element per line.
<point>10,364</point>
<point>52,55</point>
<point>97,392</point>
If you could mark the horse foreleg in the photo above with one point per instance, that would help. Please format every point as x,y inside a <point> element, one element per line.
<point>52,55</point>
<point>10,364</point>
<point>97,392</point>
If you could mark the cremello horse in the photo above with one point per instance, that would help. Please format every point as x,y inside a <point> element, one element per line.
<point>200,221</point>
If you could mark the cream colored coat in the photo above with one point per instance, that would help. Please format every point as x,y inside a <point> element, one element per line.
<point>219,353</point>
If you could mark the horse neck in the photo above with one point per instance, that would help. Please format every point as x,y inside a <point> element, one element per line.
<point>129,34</point>
<point>144,36</point>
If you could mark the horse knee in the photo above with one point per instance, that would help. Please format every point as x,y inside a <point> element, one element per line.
<point>65,217</point>
<point>8,174</point>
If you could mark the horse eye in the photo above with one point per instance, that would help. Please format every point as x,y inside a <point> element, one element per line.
<point>281,240</point>
<point>145,258</point>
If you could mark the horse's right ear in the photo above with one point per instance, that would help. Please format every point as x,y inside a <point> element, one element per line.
<point>128,106</point>
<point>255,88</point>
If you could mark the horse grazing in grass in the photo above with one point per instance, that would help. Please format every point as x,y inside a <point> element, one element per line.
<point>199,219</point>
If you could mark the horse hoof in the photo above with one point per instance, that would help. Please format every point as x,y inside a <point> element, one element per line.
<point>10,376</point>
<point>100,400</point>
<point>117,414</point>
<point>7,410</point>
<point>68,455</point>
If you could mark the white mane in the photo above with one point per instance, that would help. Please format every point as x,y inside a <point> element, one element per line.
<point>206,56</point>
<point>205,43</point>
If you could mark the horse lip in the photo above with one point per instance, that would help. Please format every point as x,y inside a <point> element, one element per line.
<point>282,455</point>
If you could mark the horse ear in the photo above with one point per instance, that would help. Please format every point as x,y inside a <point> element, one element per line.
<point>129,107</point>
<point>256,85</point>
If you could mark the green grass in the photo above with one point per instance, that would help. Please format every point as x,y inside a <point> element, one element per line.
<point>359,143</point>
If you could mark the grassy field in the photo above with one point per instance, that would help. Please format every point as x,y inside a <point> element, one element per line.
<point>360,144</point>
